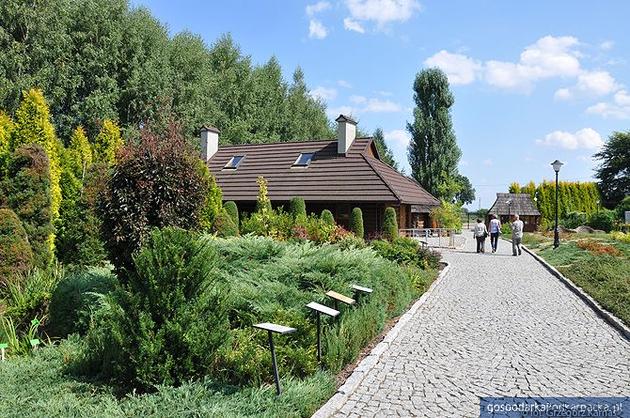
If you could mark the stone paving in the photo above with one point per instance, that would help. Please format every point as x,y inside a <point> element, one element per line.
<point>496,325</point>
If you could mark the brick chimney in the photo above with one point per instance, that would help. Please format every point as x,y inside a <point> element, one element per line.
<point>209,141</point>
<point>346,133</point>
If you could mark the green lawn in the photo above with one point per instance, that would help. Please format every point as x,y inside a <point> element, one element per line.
<point>597,263</point>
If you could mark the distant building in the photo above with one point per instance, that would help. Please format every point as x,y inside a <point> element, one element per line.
<point>337,175</point>
<point>521,204</point>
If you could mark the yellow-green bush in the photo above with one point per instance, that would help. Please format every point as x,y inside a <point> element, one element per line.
<point>107,142</point>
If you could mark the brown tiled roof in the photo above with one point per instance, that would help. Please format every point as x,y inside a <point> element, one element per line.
<point>329,177</point>
<point>520,204</point>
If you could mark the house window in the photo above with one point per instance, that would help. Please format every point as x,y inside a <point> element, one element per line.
<point>234,162</point>
<point>304,159</point>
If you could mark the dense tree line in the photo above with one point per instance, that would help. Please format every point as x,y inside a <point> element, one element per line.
<point>99,60</point>
<point>572,197</point>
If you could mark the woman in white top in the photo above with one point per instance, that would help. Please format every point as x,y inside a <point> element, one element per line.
<point>495,230</point>
<point>481,232</point>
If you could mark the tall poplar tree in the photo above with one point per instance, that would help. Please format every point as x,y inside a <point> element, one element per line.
<point>433,152</point>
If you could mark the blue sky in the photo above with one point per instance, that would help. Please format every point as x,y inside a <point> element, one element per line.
<point>533,81</point>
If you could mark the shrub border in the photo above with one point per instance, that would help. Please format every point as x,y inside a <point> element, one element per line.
<point>611,319</point>
<point>367,364</point>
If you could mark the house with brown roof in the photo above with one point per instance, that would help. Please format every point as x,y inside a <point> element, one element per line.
<point>337,175</point>
<point>521,204</point>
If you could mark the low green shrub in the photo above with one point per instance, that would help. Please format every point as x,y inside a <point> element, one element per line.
<point>16,257</point>
<point>603,219</point>
<point>167,324</point>
<point>574,219</point>
<point>75,298</point>
<point>406,251</point>
<point>28,297</point>
<point>224,225</point>
<point>356,222</point>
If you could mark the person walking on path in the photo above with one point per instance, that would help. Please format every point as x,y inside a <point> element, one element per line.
<point>481,232</point>
<point>517,235</point>
<point>495,230</point>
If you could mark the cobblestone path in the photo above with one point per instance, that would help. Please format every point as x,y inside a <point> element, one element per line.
<point>496,325</point>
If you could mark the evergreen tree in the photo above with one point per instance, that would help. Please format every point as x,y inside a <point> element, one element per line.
<point>33,125</point>
<point>16,257</point>
<point>433,151</point>
<point>79,153</point>
<point>613,171</point>
<point>383,150</point>
<point>107,142</point>
<point>214,197</point>
<point>6,126</point>
<point>327,217</point>
<point>232,210</point>
<point>27,192</point>
<point>390,224</point>
<point>514,188</point>
<point>297,209</point>
<point>356,222</point>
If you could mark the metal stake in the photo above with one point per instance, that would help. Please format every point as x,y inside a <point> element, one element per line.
<point>319,337</point>
<point>274,364</point>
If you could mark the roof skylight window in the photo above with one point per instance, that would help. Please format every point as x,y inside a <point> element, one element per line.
<point>304,159</point>
<point>234,162</point>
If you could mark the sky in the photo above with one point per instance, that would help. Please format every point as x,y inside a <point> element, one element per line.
<point>533,81</point>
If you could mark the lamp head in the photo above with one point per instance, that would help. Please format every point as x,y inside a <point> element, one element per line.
<point>556,165</point>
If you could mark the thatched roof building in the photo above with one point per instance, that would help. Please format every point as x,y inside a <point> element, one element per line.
<point>508,204</point>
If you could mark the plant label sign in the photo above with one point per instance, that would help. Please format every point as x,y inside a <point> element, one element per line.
<point>3,347</point>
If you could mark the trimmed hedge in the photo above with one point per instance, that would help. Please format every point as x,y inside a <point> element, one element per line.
<point>297,208</point>
<point>232,210</point>
<point>327,217</point>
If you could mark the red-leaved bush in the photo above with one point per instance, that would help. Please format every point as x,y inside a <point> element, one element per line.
<point>155,183</point>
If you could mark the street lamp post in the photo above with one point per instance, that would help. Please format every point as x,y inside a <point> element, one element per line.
<point>556,234</point>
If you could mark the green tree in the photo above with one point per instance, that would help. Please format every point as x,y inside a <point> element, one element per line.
<point>466,193</point>
<point>27,192</point>
<point>514,188</point>
<point>386,154</point>
<point>79,153</point>
<point>107,143</point>
<point>390,224</point>
<point>433,151</point>
<point>448,215</point>
<point>613,171</point>
<point>356,222</point>
<point>213,203</point>
<point>33,125</point>
<point>263,204</point>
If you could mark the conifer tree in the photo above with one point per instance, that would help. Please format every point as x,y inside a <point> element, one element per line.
<point>107,142</point>
<point>33,125</point>
<point>390,224</point>
<point>383,150</point>
<point>356,222</point>
<point>6,126</point>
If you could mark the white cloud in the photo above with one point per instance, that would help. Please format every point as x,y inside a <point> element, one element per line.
<point>589,84</point>
<point>607,45</point>
<point>323,93</point>
<point>584,138</point>
<point>313,9</point>
<point>487,162</point>
<point>358,99</point>
<point>549,57</point>
<point>381,106</point>
<point>398,137</point>
<point>619,108</point>
<point>344,83</point>
<point>353,25</point>
<point>562,94</point>
<point>317,30</point>
<point>382,11</point>
<point>459,68</point>
<point>384,93</point>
